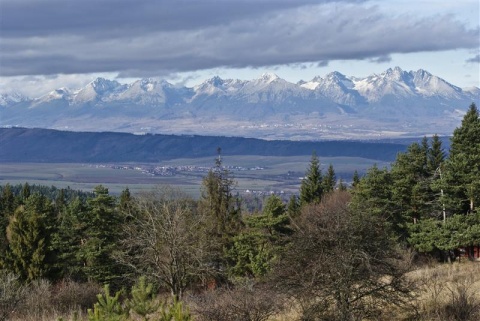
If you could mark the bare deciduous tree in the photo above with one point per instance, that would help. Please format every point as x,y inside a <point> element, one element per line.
<point>341,265</point>
<point>162,239</point>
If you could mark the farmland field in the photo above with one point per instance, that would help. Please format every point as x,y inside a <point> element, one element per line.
<point>257,174</point>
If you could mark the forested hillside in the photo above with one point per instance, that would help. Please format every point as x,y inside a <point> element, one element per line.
<point>44,145</point>
<point>334,252</point>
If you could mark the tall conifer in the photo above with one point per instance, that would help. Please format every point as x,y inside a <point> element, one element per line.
<point>462,174</point>
<point>311,189</point>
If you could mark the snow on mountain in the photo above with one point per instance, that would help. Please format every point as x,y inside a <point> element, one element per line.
<point>63,94</point>
<point>312,84</point>
<point>270,88</point>
<point>338,88</point>
<point>144,92</point>
<point>11,99</point>
<point>394,101</point>
<point>217,86</point>
<point>393,82</point>
<point>96,91</point>
<point>473,91</point>
<point>429,85</point>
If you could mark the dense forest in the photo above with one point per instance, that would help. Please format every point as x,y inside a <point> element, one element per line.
<point>55,146</point>
<point>334,252</point>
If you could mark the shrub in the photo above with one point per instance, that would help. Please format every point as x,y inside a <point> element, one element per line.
<point>463,303</point>
<point>70,295</point>
<point>244,303</point>
<point>38,299</point>
<point>11,294</point>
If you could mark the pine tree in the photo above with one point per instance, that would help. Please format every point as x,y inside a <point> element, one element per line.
<point>7,208</point>
<point>7,203</point>
<point>355,179</point>
<point>28,253</point>
<point>221,212</point>
<point>410,189</point>
<point>102,232</point>
<point>108,308</point>
<point>436,155</point>
<point>143,301</point>
<point>311,189</point>
<point>373,194</point>
<point>68,239</point>
<point>25,192</point>
<point>461,179</point>
<point>293,207</point>
<point>329,180</point>
<point>256,248</point>
<point>126,201</point>
<point>217,200</point>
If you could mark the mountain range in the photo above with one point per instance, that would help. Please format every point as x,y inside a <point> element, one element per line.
<point>395,103</point>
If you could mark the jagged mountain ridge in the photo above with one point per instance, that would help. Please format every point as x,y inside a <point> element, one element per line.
<point>395,102</point>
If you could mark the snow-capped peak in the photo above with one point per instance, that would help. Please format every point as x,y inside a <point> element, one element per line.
<point>12,98</point>
<point>269,77</point>
<point>102,85</point>
<point>335,75</point>
<point>396,74</point>
<point>59,93</point>
<point>210,86</point>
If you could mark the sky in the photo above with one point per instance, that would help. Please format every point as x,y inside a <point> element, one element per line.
<point>50,44</point>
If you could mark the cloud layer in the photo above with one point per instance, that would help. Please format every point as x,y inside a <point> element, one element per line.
<point>143,38</point>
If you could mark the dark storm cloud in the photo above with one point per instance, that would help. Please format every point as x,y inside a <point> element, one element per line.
<point>142,38</point>
<point>126,17</point>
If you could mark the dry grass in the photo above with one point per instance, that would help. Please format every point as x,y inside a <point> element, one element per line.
<point>448,291</point>
<point>445,292</point>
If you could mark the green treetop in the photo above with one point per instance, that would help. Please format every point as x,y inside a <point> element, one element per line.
<point>462,169</point>
<point>311,189</point>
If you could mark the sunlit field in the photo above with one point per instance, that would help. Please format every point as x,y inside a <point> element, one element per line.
<point>252,173</point>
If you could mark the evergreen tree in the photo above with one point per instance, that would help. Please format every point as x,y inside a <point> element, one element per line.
<point>410,188</point>
<point>293,207</point>
<point>373,194</point>
<point>7,208</point>
<point>68,239</point>
<point>436,155</point>
<point>28,253</point>
<point>342,186</point>
<point>330,180</point>
<point>60,201</point>
<point>7,203</point>
<point>102,232</point>
<point>222,216</point>
<point>144,299</point>
<point>126,201</point>
<point>25,192</point>
<point>217,200</point>
<point>255,249</point>
<point>461,180</point>
<point>311,189</point>
<point>355,179</point>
